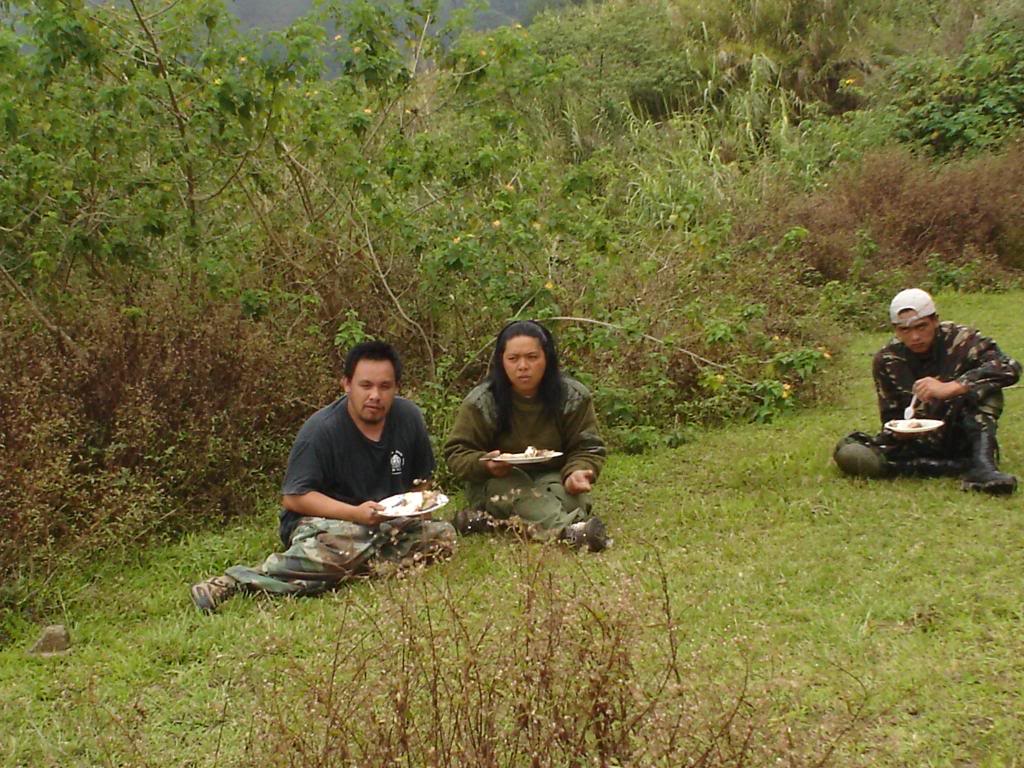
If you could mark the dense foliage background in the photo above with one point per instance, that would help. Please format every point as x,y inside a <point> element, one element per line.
<point>196,221</point>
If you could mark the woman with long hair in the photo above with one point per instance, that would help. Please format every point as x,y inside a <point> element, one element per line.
<point>527,403</point>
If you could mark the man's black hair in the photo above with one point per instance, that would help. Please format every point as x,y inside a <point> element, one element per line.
<point>551,391</point>
<point>373,350</point>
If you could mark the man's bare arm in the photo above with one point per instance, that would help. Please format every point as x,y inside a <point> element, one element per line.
<point>316,504</point>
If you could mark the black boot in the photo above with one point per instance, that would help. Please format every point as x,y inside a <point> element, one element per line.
<point>591,534</point>
<point>927,467</point>
<point>983,475</point>
<point>469,521</point>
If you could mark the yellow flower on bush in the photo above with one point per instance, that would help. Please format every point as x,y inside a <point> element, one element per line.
<point>496,224</point>
<point>549,285</point>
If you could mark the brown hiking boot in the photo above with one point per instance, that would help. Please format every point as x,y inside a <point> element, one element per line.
<point>591,534</point>
<point>210,594</point>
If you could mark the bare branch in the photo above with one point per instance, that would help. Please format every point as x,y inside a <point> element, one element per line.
<point>245,156</point>
<point>293,164</point>
<point>693,355</point>
<point>419,46</point>
<point>62,337</point>
<point>397,303</point>
<point>176,112</point>
<point>163,10</point>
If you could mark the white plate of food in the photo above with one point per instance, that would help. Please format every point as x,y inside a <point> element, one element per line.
<point>530,456</point>
<point>913,426</point>
<point>412,504</point>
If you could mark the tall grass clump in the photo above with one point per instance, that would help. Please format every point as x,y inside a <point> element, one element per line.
<point>566,673</point>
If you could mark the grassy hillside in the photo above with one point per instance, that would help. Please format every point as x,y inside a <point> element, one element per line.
<point>755,606</point>
<point>196,221</point>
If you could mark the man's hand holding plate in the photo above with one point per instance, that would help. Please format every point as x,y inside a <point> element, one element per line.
<point>366,513</point>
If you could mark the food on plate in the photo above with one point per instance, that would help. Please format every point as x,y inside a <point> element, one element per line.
<point>530,456</point>
<point>413,503</point>
<point>913,426</point>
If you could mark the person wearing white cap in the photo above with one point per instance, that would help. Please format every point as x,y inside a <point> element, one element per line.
<point>947,372</point>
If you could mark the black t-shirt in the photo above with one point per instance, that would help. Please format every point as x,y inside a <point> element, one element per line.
<point>333,457</point>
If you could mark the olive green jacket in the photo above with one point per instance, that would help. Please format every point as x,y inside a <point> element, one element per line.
<point>573,432</point>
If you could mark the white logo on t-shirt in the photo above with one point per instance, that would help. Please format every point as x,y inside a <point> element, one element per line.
<point>397,463</point>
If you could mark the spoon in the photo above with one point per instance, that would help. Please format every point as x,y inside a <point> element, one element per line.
<point>908,412</point>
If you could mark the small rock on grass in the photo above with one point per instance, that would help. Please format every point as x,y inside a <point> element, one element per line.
<point>54,641</point>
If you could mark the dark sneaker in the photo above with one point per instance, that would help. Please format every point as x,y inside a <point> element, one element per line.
<point>208,595</point>
<point>468,521</point>
<point>591,534</point>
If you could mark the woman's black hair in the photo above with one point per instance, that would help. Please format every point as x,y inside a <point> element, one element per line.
<point>551,391</point>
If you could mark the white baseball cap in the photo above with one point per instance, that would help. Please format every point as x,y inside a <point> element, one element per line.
<point>912,298</point>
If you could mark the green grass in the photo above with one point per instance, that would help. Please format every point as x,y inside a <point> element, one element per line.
<point>905,596</point>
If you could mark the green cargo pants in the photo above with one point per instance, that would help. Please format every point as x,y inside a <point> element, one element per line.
<point>324,553</point>
<point>538,502</point>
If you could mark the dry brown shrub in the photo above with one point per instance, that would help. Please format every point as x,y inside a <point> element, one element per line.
<point>174,412</point>
<point>895,211</point>
<point>551,672</point>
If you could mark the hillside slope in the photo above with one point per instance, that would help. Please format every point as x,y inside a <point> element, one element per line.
<point>883,616</point>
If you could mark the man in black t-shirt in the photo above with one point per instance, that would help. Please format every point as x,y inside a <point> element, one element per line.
<point>364,447</point>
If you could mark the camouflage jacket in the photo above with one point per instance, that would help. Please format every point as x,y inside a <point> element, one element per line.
<point>958,354</point>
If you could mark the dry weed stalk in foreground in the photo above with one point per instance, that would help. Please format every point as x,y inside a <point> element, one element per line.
<point>551,672</point>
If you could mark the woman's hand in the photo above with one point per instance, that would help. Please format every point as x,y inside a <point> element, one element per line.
<point>580,481</point>
<point>496,468</point>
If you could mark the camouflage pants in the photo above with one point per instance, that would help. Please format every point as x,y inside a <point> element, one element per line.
<point>324,553</point>
<point>538,502</point>
<point>964,417</point>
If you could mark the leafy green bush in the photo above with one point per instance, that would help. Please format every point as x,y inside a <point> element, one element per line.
<point>971,103</point>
